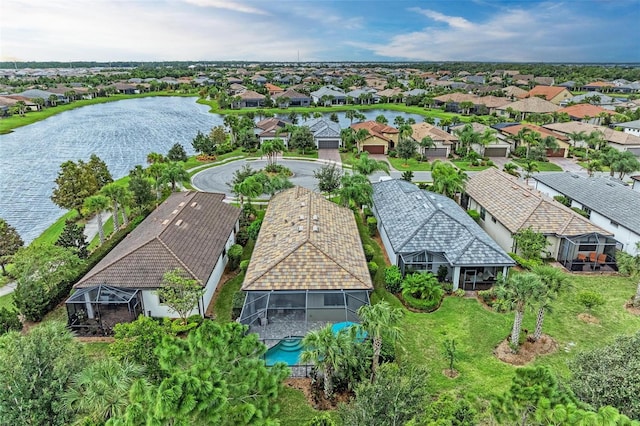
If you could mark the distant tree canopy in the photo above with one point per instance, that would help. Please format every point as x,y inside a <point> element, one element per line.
<point>77,181</point>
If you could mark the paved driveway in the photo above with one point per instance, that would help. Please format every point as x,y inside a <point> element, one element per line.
<point>567,164</point>
<point>329,155</point>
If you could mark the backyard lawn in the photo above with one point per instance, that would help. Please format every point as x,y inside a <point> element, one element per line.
<point>466,166</point>
<point>543,166</point>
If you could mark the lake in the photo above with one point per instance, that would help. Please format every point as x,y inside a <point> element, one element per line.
<point>122,133</point>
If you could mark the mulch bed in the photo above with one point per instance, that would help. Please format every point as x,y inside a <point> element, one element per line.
<point>528,351</point>
<point>632,309</point>
<point>588,318</point>
<point>452,374</point>
<point>314,394</point>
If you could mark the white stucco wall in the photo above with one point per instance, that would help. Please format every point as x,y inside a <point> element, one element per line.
<point>497,230</point>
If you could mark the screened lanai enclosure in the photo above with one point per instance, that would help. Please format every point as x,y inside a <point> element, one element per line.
<point>589,252</point>
<point>278,314</point>
<point>96,310</point>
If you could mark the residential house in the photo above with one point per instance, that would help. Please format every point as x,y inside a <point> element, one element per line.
<point>192,231</point>
<point>249,99</point>
<point>307,269</point>
<point>271,128</point>
<point>609,204</point>
<point>390,95</point>
<point>553,94</point>
<point>586,112</point>
<point>528,106</point>
<point>365,95</point>
<point>235,89</point>
<point>443,142</point>
<point>424,231</point>
<point>593,98</point>
<point>32,94</point>
<point>618,140</point>
<point>631,127</point>
<point>508,206</point>
<point>635,182</point>
<point>273,89</point>
<point>381,137</point>
<point>598,86</point>
<point>501,147</point>
<point>486,105</point>
<point>514,92</point>
<point>294,98</point>
<point>326,133</point>
<point>329,95</point>
<point>562,141</point>
<point>452,101</point>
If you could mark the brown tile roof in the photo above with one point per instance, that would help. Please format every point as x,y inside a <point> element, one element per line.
<point>549,92</point>
<point>250,94</point>
<point>515,91</point>
<point>290,93</point>
<point>492,101</point>
<point>376,129</point>
<point>273,88</point>
<point>599,84</point>
<point>534,104</point>
<point>422,130</point>
<point>517,206</point>
<point>389,92</point>
<point>189,230</point>
<point>457,97</point>
<point>584,110</point>
<point>513,130</point>
<point>610,135</point>
<point>287,257</point>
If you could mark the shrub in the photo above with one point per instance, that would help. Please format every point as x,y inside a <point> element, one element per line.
<point>447,287</point>
<point>367,212</point>
<point>474,215</point>
<point>372,225</point>
<point>525,263</point>
<point>9,321</point>
<point>520,151</point>
<point>237,303</point>
<point>590,299</point>
<point>393,153</point>
<point>393,279</point>
<point>443,271</point>
<point>254,229</point>
<point>459,293</point>
<point>244,265</point>
<point>422,291</point>
<point>242,237</point>
<point>235,253</point>
<point>581,212</point>
<point>369,252</point>
<point>373,268</point>
<point>487,296</point>
<point>563,200</point>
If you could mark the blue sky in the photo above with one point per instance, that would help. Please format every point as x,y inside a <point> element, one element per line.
<point>320,30</point>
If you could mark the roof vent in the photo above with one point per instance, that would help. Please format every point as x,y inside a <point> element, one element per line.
<point>315,217</point>
<point>181,204</point>
<point>418,197</point>
<point>195,203</point>
<point>178,222</point>
<point>315,228</point>
<point>433,197</point>
<point>301,217</point>
<point>439,205</point>
<point>175,211</point>
<point>300,228</point>
<point>164,222</point>
<point>302,204</point>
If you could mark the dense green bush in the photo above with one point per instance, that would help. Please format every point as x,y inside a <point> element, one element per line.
<point>525,263</point>
<point>422,291</point>
<point>487,296</point>
<point>9,321</point>
<point>393,153</point>
<point>590,299</point>
<point>474,215</point>
<point>372,226</point>
<point>367,212</point>
<point>369,252</point>
<point>393,279</point>
<point>244,265</point>
<point>242,237</point>
<point>373,268</point>
<point>235,253</point>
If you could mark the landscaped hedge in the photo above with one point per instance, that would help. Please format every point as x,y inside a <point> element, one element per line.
<point>428,305</point>
<point>372,226</point>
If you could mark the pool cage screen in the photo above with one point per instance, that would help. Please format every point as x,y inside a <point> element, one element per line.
<point>101,307</point>
<point>591,250</point>
<point>261,307</point>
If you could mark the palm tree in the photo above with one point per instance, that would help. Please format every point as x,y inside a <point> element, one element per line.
<point>426,143</point>
<point>113,192</point>
<point>530,167</point>
<point>381,119</point>
<point>126,199</point>
<point>355,188</point>
<point>328,352</point>
<point>512,169</point>
<point>366,166</point>
<point>359,136</point>
<point>447,179</point>
<point>155,171</point>
<point>101,390</point>
<point>593,166</point>
<point>517,291</point>
<point>380,321</point>
<point>554,281</point>
<point>174,173</point>
<point>251,187</point>
<point>576,137</point>
<point>486,138</point>
<point>97,204</point>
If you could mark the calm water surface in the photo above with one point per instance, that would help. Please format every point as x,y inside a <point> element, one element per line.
<point>121,133</point>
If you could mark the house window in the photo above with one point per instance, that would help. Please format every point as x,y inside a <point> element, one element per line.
<point>333,299</point>
<point>483,213</point>
<point>587,210</point>
<point>614,224</point>
<point>493,219</point>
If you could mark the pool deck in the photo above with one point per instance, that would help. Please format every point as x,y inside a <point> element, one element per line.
<point>279,328</point>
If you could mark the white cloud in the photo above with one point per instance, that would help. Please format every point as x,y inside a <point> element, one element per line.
<point>229,5</point>
<point>547,32</point>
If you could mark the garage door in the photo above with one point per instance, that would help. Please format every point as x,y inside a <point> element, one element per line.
<point>436,152</point>
<point>374,149</point>
<point>329,144</point>
<point>495,152</point>
<point>558,153</point>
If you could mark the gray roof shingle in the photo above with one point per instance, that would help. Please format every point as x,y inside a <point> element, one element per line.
<point>613,200</point>
<point>417,220</point>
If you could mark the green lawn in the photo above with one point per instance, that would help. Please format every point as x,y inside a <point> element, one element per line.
<point>585,165</point>
<point>312,154</point>
<point>401,165</point>
<point>6,301</point>
<point>466,166</point>
<point>294,409</point>
<point>543,166</point>
<point>52,233</point>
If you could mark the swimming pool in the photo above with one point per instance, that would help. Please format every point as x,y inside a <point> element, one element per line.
<point>288,349</point>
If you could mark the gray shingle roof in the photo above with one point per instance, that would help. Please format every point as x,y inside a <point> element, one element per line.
<point>617,202</point>
<point>323,128</point>
<point>187,231</point>
<point>417,220</point>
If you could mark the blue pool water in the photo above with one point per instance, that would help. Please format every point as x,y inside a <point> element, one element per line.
<point>288,350</point>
